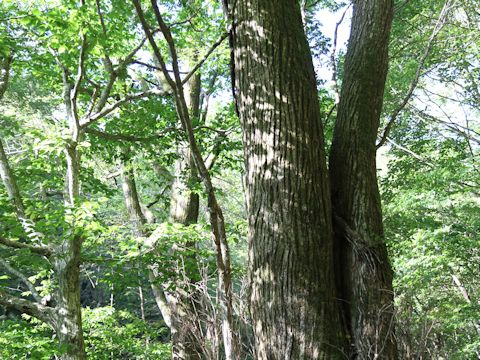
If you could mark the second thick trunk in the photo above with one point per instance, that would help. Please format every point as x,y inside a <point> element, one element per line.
<point>364,275</point>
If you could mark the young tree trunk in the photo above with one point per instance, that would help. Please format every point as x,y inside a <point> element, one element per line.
<point>66,318</point>
<point>363,269</point>
<point>224,289</point>
<point>184,209</point>
<point>68,322</point>
<point>293,297</point>
<point>176,306</point>
<point>130,195</point>
<point>67,260</point>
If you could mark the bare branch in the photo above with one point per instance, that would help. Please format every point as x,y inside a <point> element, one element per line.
<point>205,57</point>
<point>410,152</point>
<point>153,44</point>
<point>107,110</point>
<point>167,34</point>
<point>22,278</point>
<point>41,312</point>
<point>79,78</point>
<point>129,58</point>
<point>93,100</point>
<point>100,15</point>
<point>37,249</point>
<point>113,74</point>
<point>413,85</point>
<point>67,87</point>
<point>153,67</point>
<point>333,59</point>
<point>458,129</point>
<point>330,112</point>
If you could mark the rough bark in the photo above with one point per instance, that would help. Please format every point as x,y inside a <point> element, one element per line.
<point>66,317</point>
<point>295,315</point>
<point>364,274</point>
<point>67,263</point>
<point>67,256</point>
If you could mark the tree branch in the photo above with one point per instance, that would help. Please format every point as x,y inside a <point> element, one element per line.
<point>132,138</point>
<point>333,57</point>
<point>107,110</point>
<point>14,196</point>
<point>41,312</point>
<point>38,249</point>
<point>22,278</point>
<point>410,152</point>
<point>79,78</point>
<point>153,44</point>
<point>205,57</point>
<point>113,74</point>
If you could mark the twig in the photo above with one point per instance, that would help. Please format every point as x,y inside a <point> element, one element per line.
<point>333,59</point>
<point>393,118</point>
<point>132,138</point>
<point>205,57</point>
<point>107,110</point>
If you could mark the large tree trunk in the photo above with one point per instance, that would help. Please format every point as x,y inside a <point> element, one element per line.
<point>364,272</point>
<point>293,306</point>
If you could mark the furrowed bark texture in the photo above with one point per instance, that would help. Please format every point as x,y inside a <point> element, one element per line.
<point>363,269</point>
<point>293,304</point>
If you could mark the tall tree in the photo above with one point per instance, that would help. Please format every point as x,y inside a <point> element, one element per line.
<point>217,222</point>
<point>293,295</point>
<point>364,274</point>
<point>84,102</point>
<point>177,304</point>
